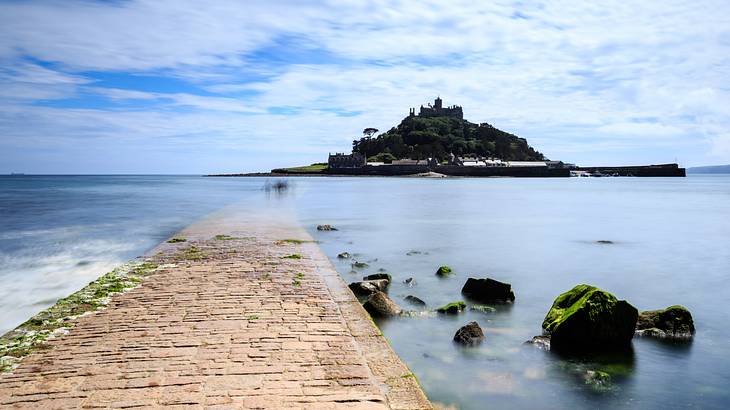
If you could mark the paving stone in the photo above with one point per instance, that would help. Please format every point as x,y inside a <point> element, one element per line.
<point>231,330</point>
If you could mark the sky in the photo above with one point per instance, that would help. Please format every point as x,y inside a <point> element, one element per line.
<point>204,87</point>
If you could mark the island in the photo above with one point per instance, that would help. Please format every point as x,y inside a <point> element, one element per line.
<point>438,141</point>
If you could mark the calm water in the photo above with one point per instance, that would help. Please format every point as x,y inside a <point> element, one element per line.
<point>672,246</point>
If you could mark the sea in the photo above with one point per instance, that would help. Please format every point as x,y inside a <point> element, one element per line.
<point>654,242</point>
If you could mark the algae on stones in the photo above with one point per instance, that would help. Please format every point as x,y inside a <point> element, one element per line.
<point>292,256</point>
<point>55,320</point>
<point>176,240</point>
<point>444,271</point>
<point>452,308</point>
<point>586,318</point>
<point>193,253</point>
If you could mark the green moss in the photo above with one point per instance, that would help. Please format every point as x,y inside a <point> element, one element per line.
<point>570,302</point>
<point>31,334</point>
<point>252,317</point>
<point>193,253</point>
<point>293,241</point>
<point>299,275</point>
<point>292,256</point>
<point>444,271</point>
<point>225,238</point>
<point>296,282</point>
<point>452,308</point>
<point>177,240</point>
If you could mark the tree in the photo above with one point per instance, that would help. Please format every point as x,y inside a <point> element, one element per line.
<point>369,132</point>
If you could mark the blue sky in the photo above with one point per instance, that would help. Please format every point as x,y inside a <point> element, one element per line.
<point>186,87</point>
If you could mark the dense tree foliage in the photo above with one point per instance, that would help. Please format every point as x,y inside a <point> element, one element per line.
<point>437,137</point>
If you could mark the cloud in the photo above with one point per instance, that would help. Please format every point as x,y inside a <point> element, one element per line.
<point>582,82</point>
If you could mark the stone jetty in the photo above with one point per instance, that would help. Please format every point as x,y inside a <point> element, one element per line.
<point>229,319</point>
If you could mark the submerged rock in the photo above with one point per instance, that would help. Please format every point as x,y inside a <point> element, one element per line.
<point>588,318</point>
<point>409,282</point>
<point>488,290</point>
<point>604,242</point>
<point>597,380</point>
<point>469,335</point>
<point>452,308</point>
<point>359,265</point>
<point>674,322</point>
<point>482,308</point>
<point>326,228</point>
<point>444,271</point>
<point>378,276</point>
<point>414,300</point>
<point>343,255</point>
<point>380,305</point>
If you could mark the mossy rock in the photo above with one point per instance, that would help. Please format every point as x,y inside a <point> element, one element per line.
<point>674,322</point>
<point>177,240</point>
<point>587,318</point>
<point>444,271</point>
<point>452,308</point>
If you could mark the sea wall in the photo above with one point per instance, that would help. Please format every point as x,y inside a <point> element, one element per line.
<point>528,172</point>
<point>661,170</point>
<point>452,170</point>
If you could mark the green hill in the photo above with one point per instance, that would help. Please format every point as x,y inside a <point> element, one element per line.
<point>420,137</point>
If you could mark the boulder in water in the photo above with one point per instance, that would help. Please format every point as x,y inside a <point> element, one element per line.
<point>378,276</point>
<point>586,318</point>
<point>368,287</point>
<point>444,271</point>
<point>674,322</point>
<point>326,228</point>
<point>380,305</point>
<point>488,291</point>
<point>469,335</point>
<point>541,342</point>
<point>414,300</point>
<point>452,308</point>
<point>343,255</point>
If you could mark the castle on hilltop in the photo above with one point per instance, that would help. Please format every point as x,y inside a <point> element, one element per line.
<point>437,110</point>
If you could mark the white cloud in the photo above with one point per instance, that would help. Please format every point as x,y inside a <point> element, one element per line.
<point>574,78</point>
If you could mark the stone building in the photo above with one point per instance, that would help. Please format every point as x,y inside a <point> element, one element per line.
<point>340,160</point>
<point>438,110</point>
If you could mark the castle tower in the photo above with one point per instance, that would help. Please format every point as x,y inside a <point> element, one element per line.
<point>437,103</point>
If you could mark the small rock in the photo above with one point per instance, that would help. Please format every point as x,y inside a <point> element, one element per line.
<point>604,242</point>
<point>343,255</point>
<point>541,342</point>
<point>380,305</point>
<point>377,276</point>
<point>359,265</point>
<point>326,228</point>
<point>488,290</point>
<point>674,322</point>
<point>452,308</point>
<point>413,300</point>
<point>469,335</point>
<point>444,271</point>
<point>409,282</point>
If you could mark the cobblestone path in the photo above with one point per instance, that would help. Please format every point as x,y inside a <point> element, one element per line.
<point>233,324</point>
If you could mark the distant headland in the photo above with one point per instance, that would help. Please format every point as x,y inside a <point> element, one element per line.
<point>438,140</point>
